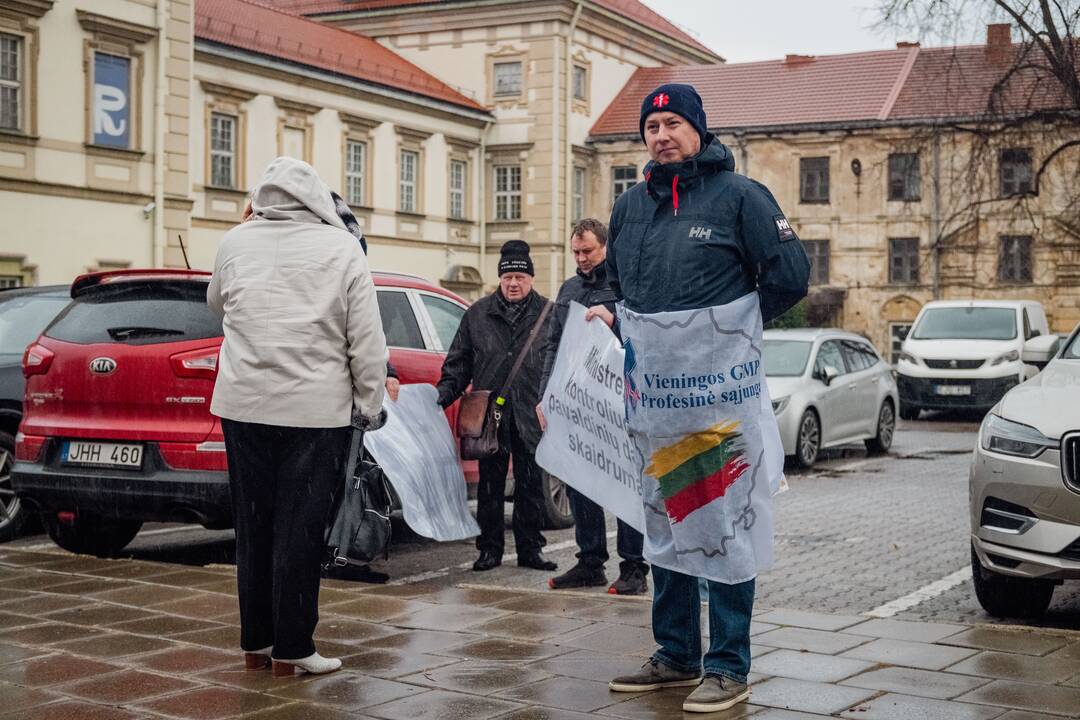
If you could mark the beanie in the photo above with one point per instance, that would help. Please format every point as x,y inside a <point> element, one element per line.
<point>677,98</point>
<point>514,257</point>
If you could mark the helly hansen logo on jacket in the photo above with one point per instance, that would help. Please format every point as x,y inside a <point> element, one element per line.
<point>701,233</point>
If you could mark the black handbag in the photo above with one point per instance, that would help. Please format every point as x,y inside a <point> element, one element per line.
<point>360,531</point>
<point>481,411</point>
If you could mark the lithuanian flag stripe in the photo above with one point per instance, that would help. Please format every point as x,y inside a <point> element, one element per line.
<point>667,459</point>
<point>704,492</point>
<point>698,467</point>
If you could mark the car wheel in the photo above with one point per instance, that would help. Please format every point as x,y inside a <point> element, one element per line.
<point>12,511</point>
<point>90,535</point>
<point>557,514</point>
<point>808,443</point>
<point>909,412</point>
<point>886,427</point>
<point>1009,597</point>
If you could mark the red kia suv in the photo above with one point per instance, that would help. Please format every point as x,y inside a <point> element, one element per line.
<point>117,428</point>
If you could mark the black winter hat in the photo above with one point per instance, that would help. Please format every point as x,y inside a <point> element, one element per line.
<point>515,258</point>
<point>677,98</point>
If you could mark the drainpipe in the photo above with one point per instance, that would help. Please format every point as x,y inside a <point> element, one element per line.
<point>568,195</point>
<point>935,216</point>
<point>482,192</point>
<point>555,231</point>
<point>159,138</point>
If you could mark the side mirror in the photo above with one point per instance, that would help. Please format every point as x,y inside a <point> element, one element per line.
<point>829,374</point>
<point>1040,350</point>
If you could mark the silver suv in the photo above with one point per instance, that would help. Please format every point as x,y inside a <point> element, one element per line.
<point>1025,487</point>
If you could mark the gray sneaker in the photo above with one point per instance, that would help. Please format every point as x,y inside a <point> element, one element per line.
<point>653,676</point>
<point>716,693</point>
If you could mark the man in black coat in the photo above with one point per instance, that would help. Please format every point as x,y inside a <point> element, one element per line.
<point>492,333</point>
<point>589,287</point>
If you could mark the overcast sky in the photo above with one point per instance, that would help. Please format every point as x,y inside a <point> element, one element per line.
<point>744,31</point>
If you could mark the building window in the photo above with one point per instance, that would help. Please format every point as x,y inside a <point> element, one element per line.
<point>410,163</point>
<point>223,150</point>
<point>904,261</point>
<point>814,180</point>
<point>457,189</point>
<point>111,109</point>
<point>1014,259</point>
<point>579,194</point>
<point>508,78</point>
<point>898,333</point>
<point>623,178</point>
<point>1016,172</point>
<point>508,192</point>
<point>10,82</point>
<point>581,76</point>
<point>355,166</point>
<point>10,281</point>
<point>904,180</point>
<point>818,252</point>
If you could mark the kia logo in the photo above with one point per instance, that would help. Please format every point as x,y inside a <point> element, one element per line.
<point>952,364</point>
<point>102,365</point>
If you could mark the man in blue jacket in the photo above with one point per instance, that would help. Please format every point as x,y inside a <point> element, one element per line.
<point>695,235</point>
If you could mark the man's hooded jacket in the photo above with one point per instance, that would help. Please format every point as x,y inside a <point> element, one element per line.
<point>696,234</point>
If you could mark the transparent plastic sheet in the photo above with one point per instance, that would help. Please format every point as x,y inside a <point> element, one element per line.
<point>418,453</point>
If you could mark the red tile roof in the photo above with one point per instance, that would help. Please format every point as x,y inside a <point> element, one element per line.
<point>256,28</point>
<point>631,9</point>
<point>909,83</point>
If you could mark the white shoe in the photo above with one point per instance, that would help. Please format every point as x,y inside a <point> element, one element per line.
<point>315,664</point>
<point>258,659</point>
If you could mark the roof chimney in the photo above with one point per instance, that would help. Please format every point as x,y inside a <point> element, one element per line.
<point>998,41</point>
<point>791,59</point>
<point>904,44</point>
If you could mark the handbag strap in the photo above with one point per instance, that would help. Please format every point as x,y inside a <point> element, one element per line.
<point>500,399</point>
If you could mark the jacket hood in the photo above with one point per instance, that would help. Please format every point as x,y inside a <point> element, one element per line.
<point>713,158</point>
<point>290,189</point>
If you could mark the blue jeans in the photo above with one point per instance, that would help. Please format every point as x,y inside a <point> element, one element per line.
<point>590,532</point>
<point>677,624</point>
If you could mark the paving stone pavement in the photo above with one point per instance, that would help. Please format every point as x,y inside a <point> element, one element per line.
<point>89,639</point>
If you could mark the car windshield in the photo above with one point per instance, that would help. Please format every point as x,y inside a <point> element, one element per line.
<point>23,317</point>
<point>785,358</point>
<point>966,323</point>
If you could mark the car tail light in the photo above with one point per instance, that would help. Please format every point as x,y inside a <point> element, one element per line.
<point>37,360</point>
<point>201,363</point>
<point>28,447</point>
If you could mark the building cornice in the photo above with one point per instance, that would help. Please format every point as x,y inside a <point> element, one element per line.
<point>26,8</point>
<point>115,28</point>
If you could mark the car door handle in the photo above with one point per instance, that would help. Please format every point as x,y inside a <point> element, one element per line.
<point>852,386</point>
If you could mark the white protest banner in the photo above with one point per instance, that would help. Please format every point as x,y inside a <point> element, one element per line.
<point>586,444</point>
<point>698,408</point>
<point>417,451</point>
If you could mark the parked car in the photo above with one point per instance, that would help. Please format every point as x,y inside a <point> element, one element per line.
<point>118,430</point>
<point>24,313</point>
<point>1025,488</point>
<point>965,354</point>
<point>828,388</point>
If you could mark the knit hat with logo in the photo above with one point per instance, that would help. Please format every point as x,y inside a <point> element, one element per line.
<point>514,257</point>
<point>677,98</point>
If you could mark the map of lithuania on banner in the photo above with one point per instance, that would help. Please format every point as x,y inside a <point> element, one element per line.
<point>698,410</point>
<point>586,444</point>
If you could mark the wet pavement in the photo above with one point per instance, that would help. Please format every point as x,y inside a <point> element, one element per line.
<point>87,638</point>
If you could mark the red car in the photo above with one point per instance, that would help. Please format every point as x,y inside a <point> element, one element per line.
<point>117,428</point>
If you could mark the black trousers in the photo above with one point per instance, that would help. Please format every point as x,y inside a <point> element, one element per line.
<point>283,483</point>
<point>528,495</point>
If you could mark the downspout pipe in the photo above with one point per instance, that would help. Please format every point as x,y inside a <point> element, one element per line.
<point>159,137</point>
<point>482,204</point>
<point>568,194</point>
<point>935,217</point>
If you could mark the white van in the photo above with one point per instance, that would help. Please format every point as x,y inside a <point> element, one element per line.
<point>966,354</point>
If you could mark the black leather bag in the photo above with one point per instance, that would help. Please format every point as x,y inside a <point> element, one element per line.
<point>360,530</point>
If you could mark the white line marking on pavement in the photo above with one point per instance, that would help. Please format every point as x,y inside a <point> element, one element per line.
<point>938,587</point>
<point>432,574</point>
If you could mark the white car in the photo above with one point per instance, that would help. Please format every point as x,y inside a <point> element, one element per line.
<point>965,354</point>
<point>828,388</point>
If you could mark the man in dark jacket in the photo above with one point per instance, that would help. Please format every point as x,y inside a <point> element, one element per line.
<point>492,333</point>
<point>589,287</point>
<point>697,235</point>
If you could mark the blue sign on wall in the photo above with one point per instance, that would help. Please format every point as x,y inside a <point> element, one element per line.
<point>112,100</point>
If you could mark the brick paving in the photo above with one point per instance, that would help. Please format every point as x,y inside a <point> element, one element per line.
<point>83,638</point>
